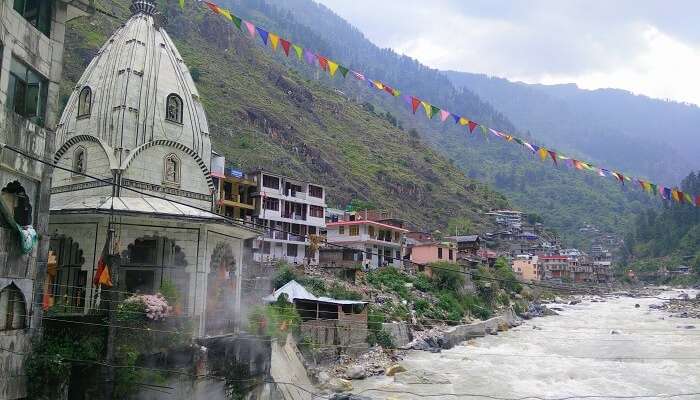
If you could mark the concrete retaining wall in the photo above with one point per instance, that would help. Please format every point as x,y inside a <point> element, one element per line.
<point>400,333</point>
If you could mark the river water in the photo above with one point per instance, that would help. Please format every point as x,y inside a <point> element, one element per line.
<point>571,355</point>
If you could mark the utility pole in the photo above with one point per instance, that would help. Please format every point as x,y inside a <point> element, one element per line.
<point>113,262</point>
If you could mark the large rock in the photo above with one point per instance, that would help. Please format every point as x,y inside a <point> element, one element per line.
<point>421,376</point>
<point>400,333</point>
<point>347,396</point>
<point>355,372</point>
<point>395,369</point>
<point>339,385</point>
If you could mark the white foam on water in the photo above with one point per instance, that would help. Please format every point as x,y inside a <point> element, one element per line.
<point>573,354</point>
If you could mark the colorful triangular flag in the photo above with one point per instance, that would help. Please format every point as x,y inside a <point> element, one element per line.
<point>250,27</point>
<point>236,21</point>
<point>456,118</point>
<point>263,34</point>
<point>553,155</point>
<point>343,70</point>
<point>274,40</point>
<point>299,50</point>
<point>285,46</point>
<point>428,109</point>
<point>542,153</point>
<point>332,67</point>
<point>434,111</point>
<point>415,102</point>
<point>322,62</point>
<point>472,125</point>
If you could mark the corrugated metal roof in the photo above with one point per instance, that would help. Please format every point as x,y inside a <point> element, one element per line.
<point>295,291</point>
<point>142,205</point>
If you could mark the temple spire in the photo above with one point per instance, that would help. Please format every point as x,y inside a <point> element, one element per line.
<point>143,6</point>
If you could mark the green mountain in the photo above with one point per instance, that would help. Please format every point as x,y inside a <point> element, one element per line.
<point>265,114</point>
<point>613,127</point>
<point>668,238</point>
<point>566,200</point>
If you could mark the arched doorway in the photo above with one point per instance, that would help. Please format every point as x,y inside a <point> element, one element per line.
<point>153,264</point>
<point>13,308</point>
<point>66,281</point>
<point>221,290</point>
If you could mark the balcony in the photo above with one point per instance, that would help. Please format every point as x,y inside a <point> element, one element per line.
<point>294,216</point>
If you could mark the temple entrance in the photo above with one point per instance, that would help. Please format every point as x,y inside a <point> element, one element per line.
<point>66,281</point>
<point>221,290</point>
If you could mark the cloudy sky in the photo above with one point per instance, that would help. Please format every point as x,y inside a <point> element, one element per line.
<point>647,47</point>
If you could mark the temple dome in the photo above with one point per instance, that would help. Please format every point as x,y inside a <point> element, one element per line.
<point>134,106</point>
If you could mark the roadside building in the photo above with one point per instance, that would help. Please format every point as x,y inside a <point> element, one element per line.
<point>31,50</point>
<point>527,268</point>
<point>234,195</point>
<point>432,252</point>
<point>555,267</point>
<point>334,325</point>
<point>468,244</point>
<point>289,211</point>
<point>381,243</point>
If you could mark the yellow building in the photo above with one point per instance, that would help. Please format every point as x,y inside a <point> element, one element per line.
<point>235,200</point>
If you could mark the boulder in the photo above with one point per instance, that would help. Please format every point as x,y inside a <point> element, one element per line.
<point>339,385</point>
<point>347,396</point>
<point>355,372</point>
<point>503,326</point>
<point>395,369</point>
<point>574,302</point>
<point>549,312</point>
<point>615,332</point>
<point>421,376</point>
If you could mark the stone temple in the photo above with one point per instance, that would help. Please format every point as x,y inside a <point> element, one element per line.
<point>135,125</point>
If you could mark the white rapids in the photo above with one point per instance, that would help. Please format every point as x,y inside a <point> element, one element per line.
<point>608,349</point>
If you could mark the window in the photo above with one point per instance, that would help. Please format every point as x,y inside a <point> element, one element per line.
<point>451,255</point>
<point>85,102</point>
<point>354,230</point>
<point>16,203</point>
<point>79,160</point>
<point>370,230</point>
<point>398,254</point>
<point>312,230</point>
<point>171,169</point>
<point>440,253</point>
<point>271,182</point>
<point>316,211</point>
<point>271,204</point>
<point>37,13</point>
<point>292,250</point>
<point>341,230</point>
<point>27,92</point>
<point>397,236</point>
<point>266,247</point>
<point>173,108</point>
<point>316,191</point>
<point>144,251</point>
<point>13,309</point>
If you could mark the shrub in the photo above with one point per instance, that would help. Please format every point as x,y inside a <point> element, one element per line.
<point>451,306</point>
<point>507,277</point>
<point>144,306</point>
<point>276,320</point>
<point>283,276</point>
<point>390,278</point>
<point>337,291</point>
<point>314,285</point>
<point>423,283</point>
<point>384,339</point>
<point>447,276</point>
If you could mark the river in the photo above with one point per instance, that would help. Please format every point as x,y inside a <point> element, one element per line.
<point>571,355</point>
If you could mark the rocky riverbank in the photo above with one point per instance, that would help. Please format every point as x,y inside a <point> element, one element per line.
<point>684,306</point>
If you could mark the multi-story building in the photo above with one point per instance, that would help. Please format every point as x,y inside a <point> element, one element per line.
<point>31,50</point>
<point>555,267</point>
<point>289,210</point>
<point>381,243</point>
<point>235,195</point>
<point>528,268</point>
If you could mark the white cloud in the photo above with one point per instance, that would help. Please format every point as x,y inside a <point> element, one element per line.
<point>642,46</point>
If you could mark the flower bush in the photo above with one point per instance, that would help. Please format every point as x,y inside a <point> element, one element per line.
<point>144,306</point>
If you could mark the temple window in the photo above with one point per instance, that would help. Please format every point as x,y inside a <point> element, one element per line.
<point>27,92</point>
<point>171,169</point>
<point>13,309</point>
<point>15,204</point>
<point>85,102</point>
<point>79,160</point>
<point>173,108</point>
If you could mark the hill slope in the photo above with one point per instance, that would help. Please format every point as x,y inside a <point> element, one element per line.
<point>263,114</point>
<point>668,238</point>
<point>565,199</point>
<point>614,127</point>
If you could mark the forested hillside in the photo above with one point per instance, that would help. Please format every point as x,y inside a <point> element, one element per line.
<point>263,114</point>
<point>654,138</point>
<point>565,199</point>
<point>669,237</point>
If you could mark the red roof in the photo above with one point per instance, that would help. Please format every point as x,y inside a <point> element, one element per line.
<point>363,222</point>
<point>560,258</point>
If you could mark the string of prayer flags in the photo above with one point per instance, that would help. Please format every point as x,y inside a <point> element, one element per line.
<point>332,67</point>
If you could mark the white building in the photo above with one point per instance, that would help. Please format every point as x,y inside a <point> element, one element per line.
<point>31,64</point>
<point>382,244</point>
<point>289,211</point>
<point>135,119</point>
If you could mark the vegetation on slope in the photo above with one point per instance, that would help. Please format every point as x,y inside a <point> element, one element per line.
<point>262,114</point>
<point>565,199</point>
<point>666,238</point>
